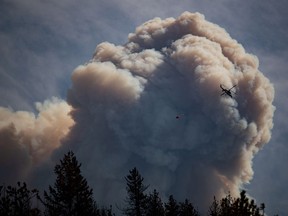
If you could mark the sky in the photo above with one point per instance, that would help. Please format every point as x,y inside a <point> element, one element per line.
<point>44,42</point>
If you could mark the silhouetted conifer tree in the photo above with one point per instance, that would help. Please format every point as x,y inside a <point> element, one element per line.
<point>136,199</point>
<point>154,205</point>
<point>70,194</point>
<point>104,211</point>
<point>241,206</point>
<point>187,209</point>
<point>17,201</point>
<point>244,206</point>
<point>262,208</point>
<point>171,207</point>
<point>214,209</point>
<point>226,205</point>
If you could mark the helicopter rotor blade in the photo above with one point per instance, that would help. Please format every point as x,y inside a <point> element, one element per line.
<point>232,87</point>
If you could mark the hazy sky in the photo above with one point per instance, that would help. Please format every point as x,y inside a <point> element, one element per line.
<point>42,42</point>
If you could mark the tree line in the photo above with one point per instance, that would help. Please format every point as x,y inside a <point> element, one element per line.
<point>70,195</point>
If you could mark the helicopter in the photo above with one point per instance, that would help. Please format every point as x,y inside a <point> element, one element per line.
<point>227,91</point>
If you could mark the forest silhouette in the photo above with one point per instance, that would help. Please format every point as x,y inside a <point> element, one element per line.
<point>70,195</point>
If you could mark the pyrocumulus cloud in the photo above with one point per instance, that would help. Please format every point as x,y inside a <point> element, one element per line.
<point>155,103</point>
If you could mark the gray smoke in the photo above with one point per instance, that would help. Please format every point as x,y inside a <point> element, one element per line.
<point>27,141</point>
<point>155,103</point>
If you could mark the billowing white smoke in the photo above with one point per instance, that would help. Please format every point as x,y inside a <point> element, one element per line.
<point>27,140</point>
<point>155,103</point>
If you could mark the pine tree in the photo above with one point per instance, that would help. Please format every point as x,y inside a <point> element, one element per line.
<point>187,209</point>
<point>214,209</point>
<point>172,207</point>
<point>226,206</point>
<point>154,205</point>
<point>17,201</point>
<point>262,208</point>
<point>104,211</point>
<point>70,195</point>
<point>136,200</point>
<point>241,206</point>
<point>244,206</point>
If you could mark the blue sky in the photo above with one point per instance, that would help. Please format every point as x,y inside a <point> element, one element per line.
<point>43,41</point>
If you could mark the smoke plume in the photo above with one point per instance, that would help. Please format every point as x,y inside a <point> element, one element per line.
<point>26,140</point>
<point>155,103</point>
